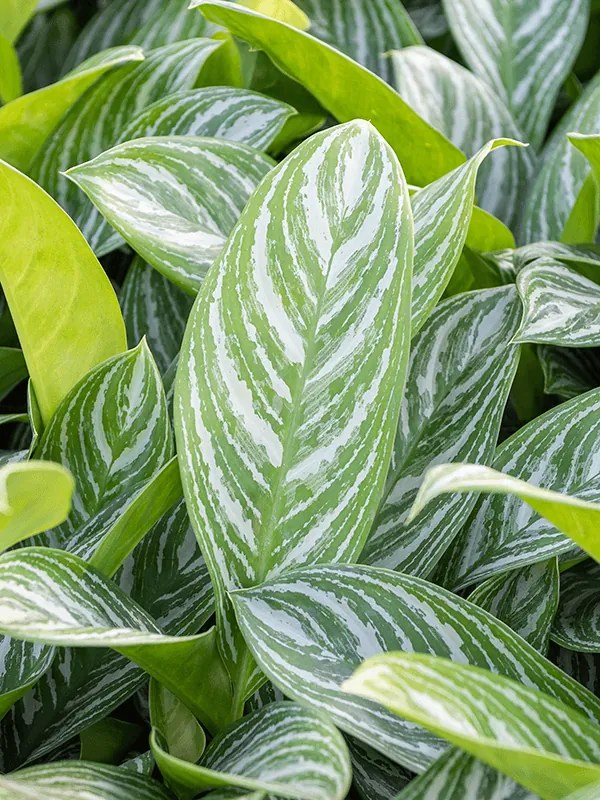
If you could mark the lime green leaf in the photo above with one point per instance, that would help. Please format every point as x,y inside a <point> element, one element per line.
<point>53,597</point>
<point>591,792</point>
<point>543,744</point>
<point>306,60</point>
<point>309,629</point>
<point>293,362</point>
<point>28,121</point>
<point>282,749</point>
<point>174,199</point>
<point>72,780</point>
<point>461,368</point>
<point>53,282</point>
<point>447,95</point>
<point>560,306</point>
<point>11,85</point>
<point>577,623</point>
<point>14,16</point>
<point>576,518</point>
<point>524,51</point>
<point>283,10</point>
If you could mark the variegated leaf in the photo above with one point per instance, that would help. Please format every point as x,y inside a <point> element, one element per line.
<point>283,749</point>
<point>524,50</point>
<point>98,121</point>
<point>74,780</point>
<point>577,623</point>
<point>526,599</point>
<point>590,792</point>
<point>174,199</point>
<point>443,213</point>
<point>584,258</point>
<point>374,776</point>
<point>21,665</point>
<point>569,372</point>
<point>560,306</point>
<point>561,176</point>
<point>43,46</point>
<point>584,667</point>
<point>297,53</point>
<point>112,431</point>
<point>154,308</point>
<point>465,110</point>
<point>558,451</point>
<point>53,597</point>
<point>365,30</point>
<point>310,629</point>
<point>461,368</point>
<point>428,16</point>
<point>589,145</point>
<point>543,744</point>
<point>577,518</point>
<point>292,366</point>
<point>27,122</point>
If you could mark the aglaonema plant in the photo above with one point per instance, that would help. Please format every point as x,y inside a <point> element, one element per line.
<point>300,400</point>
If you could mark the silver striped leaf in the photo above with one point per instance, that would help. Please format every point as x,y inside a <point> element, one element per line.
<point>154,308</point>
<point>171,22</point>
<point>310,629</point>
<point>464,109</point>
<point>284,749</point>
<point>538,741</point>
<point>584,258</point>
<point>98,120</point>
<point>526,599</point>
<point>112,431</point>
<point>557,451</point>
<point>21,665</point>
<point>461,368</point>
<point>523,49</point>
<point>167,576</point>
<point>296,53</point>
<point>53,597</point>
<point>560,306</point>
<point>456,775</point>
<point>561,176</point>
<point>569,372</point>
<point>375,777</point>
<point>174,199</point>
<point>292,367</point>
<point>366,30</point>
<point>429,17</point>
<point>577,623</point>
<point>74,780</point>
<point>443,215</point>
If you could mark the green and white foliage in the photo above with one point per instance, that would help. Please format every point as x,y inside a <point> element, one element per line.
<point>467,111</point>
<point>174,199</point>
<point>569,372</point>
<point>557,196</point>
<point>528,735</point>
<point>365,30</point>
<point>289,380</point>
<point>283,749</point>
<point>311,628</point>
<point>577,623</point>
<point>523,50</point>
<point>561,307</point>
<point>461,368</point>
<point>374,775</point>
<point>556,451</point>
<point>22,664</point>
<point>120,95</point>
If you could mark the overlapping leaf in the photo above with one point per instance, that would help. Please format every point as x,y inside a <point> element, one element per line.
<point>569,372</point>
<point>461,368</point>
<point>577,623</point>
<point>310,629</point>
<point>589,144</point>
<point>22,664</point>
<point>174,199</point>
<point>543,744</point>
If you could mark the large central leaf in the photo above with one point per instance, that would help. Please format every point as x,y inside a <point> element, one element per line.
<point>293,363</point>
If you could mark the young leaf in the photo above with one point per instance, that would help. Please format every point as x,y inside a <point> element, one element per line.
<point>175,724</point>
<point>53,597</point>
<point>577,623</point>
<point>282,749</point>
<point>577,518</point>
<point>557,450</point>
<point>174,199</point>
<point>546,746</point>
<point>461,368</point>
<point>306,60</point>
<point>310,629</point>
<point>523,51</point>
<point>73,780</point>
<point>293,363</point>
<point>28,121</point>
<point>560,306</point>
<point>53,283</point>
<point>465,110</point>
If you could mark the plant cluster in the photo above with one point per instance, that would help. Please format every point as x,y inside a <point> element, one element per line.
<point>300,383</point>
